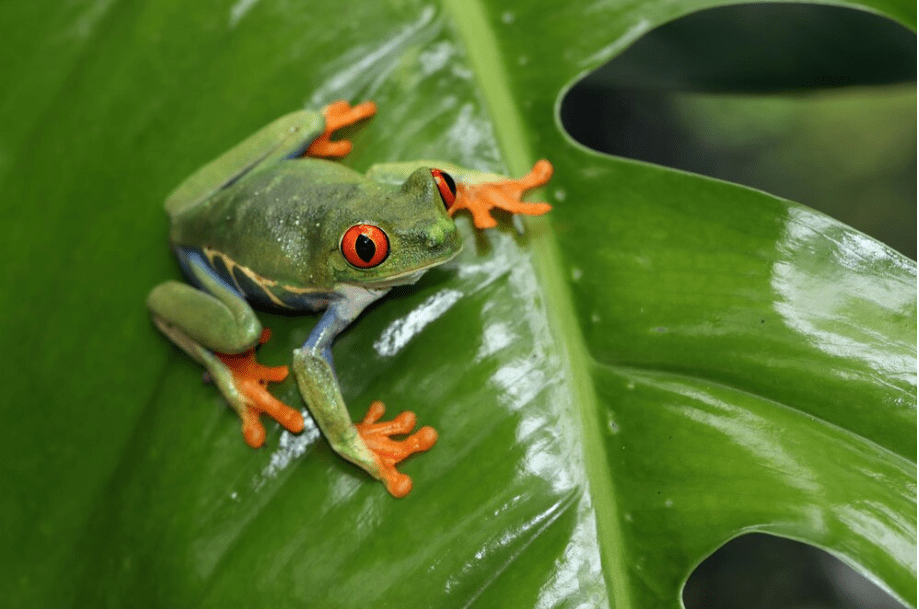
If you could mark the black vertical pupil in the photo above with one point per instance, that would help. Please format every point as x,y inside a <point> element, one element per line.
<point>365,248</point>
<point>451,184</point>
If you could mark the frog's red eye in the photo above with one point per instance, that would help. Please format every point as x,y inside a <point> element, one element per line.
<point>365,246</point>
<point>446,186</point>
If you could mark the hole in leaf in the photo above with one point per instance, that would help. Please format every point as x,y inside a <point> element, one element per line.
<point>812,103</point>
<point>757,571</point>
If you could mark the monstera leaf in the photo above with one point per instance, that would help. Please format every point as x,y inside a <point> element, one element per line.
<point>661,364</point>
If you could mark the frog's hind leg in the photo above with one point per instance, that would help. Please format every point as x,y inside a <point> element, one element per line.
<point>285,137</point>
<point>250,379</point>
<point>219,330</point>
<point>338,115</point>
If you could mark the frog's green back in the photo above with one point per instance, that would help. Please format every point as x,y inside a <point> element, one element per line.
<point>281,138</point>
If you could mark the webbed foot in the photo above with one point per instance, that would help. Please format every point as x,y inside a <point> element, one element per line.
<point>389,452</point>
<point>338,115</point>
<point>480,199</point>
<point>250,381</point>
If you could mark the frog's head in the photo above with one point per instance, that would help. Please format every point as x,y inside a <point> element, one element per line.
<point>391,236</point>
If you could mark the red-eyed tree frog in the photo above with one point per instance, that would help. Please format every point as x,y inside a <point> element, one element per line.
<point>273,224</point>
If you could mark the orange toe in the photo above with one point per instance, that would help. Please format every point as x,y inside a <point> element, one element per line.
<point>480,199</point>
<point>251,379</point>
<point>398,485</point>
<point>390,452</point>
<point>338,115</point>
<point>253,430</point>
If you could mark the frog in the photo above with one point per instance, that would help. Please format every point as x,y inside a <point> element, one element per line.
<point>279,223</point>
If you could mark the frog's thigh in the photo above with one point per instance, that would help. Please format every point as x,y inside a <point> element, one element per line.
<point>287,136</point>
<point>189,315</point>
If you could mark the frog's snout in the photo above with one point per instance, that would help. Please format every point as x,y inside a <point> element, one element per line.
<point>436,236</point>
<point>442,236</point>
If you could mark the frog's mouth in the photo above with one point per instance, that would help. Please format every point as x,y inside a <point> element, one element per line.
<point>404,279</point>
<point>411,277</point>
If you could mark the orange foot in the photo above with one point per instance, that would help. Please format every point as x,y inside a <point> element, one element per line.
<point>338,115</point>
<point>389,452</point>
<point>479,199</point>
<point>251,380</point>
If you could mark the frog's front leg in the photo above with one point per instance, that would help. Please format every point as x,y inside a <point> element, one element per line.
<point>368,443</point>
<point>217,328</point>
<point>477,192</point>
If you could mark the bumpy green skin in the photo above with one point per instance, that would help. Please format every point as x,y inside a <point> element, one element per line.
<point>256,224</point>
<point>285,220</point>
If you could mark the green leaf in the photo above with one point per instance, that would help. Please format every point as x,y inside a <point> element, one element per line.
<point>661,364</point>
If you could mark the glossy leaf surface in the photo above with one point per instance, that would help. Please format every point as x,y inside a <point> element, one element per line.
<point>661,364</point>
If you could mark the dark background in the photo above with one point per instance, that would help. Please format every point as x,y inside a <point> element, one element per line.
<point>816,104</point>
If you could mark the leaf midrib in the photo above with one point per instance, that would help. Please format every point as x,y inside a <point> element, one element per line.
<point>475,31</point>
